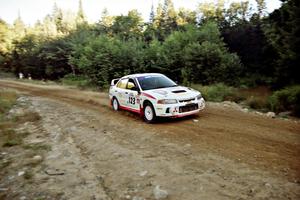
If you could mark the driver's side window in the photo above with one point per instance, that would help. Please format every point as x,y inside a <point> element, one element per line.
<point>131,85</point>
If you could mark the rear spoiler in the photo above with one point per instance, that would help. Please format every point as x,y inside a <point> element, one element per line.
<point>114,82</point>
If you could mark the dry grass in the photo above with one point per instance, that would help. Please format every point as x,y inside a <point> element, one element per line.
<point>7,100</point>
<point>258,103</point>
<point>257,98</point>
<point>27,117</point>
<point>19,154</point>
<point>28,174</point>
<point>11,138</point>
<point>37,147</point>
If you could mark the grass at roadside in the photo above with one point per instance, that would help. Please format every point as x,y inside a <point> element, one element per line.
<point>7,100</point>
<point>259,98</point>
<point>254,98</point>
<point>12,140</point>
<point>79,81</point>
<point>219,92</point>
<point>37,147</point>
<point>18,154</point>
<point>9,137</point>
<point>286,99</point>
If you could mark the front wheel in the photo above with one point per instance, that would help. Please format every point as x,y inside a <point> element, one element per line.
<point>115,104</point>
<point>149,113</point>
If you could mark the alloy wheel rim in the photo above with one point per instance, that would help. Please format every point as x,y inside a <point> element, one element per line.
<point>115,103</point>
<point>148,113</point>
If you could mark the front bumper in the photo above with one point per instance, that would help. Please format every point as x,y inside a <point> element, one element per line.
<point>180,109</point>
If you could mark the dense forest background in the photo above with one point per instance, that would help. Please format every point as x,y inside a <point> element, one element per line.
<point>235,44</point>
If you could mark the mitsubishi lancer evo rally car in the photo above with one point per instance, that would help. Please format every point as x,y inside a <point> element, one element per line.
<point>154,95</point>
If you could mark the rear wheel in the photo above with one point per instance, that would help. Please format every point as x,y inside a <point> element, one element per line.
<point>149,113</point>
<point>115,104</point>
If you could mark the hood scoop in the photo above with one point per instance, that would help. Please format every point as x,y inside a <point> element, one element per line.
<point>178,91</point>
<point>161,92</point>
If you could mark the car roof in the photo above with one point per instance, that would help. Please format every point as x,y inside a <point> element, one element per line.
<point>140,75</point>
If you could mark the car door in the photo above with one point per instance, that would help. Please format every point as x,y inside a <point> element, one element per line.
<point>121,92</point>
<point>133,95</point>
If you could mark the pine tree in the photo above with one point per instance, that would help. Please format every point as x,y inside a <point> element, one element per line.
<point>19,28</point>
<point>106,19</point>
<point>58,18</point>
<point>167,21</point>
<point>152,15</point>
<point>80,18</point>
<point>158,16</point>
<point>283,33</point>
<point>5,39</point>
<point>49,28</point>
<point>261,8</point>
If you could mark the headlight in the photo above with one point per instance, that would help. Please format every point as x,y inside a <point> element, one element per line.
<point>167,101</point>
<point>199,96</point>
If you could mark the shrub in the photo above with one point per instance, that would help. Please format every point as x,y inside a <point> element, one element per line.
<point>286,99</point>
<point>219,92</point>
<point>257,103</point>
<point>28,174</point>
<point>27,117</point>
<point>7,100</point>
<point>78,81</point>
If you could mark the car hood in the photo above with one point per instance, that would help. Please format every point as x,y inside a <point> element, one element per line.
<point>178,93</point>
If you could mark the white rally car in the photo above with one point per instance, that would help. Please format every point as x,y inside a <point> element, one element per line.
<point>154,95</point>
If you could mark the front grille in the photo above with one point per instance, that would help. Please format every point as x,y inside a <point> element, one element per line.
<point>186,100</point>
<point>188,108</point>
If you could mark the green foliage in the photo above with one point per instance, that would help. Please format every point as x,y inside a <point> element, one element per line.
<point>173,42</point>
<point>207,61</point>
<point>128,26</point>
<point>282,31</point>
<point>12,142</point>
<point>5,39</point>
<point>257,103</point>
<point>104,58</point>
<point>251,45</point>
<point>37,147</point>
<point>53,55</point>
<point>79,81</point>
<point>154,57</point>
<point>286,99</point>
<point>217,92</point>
<point>7,100</point>
<point>12,138</point>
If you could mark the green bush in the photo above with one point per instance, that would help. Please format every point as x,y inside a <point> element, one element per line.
<point>78,81</point>
<point>7,100</point>
<point>286,99</point>
<point>257,103</point>
<point>219,92</point>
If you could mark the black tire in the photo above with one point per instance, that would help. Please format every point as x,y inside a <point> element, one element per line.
<point>149,113</point>
<point>115,104</point>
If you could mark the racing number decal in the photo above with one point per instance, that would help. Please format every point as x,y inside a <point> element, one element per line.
<point>132,100</point>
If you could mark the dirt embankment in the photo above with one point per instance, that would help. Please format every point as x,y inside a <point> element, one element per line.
<point>221,154</point>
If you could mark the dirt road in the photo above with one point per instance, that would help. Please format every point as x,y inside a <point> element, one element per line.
<point>222,153</point>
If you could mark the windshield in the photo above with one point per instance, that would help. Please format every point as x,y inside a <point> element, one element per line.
<point>155,81</point>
